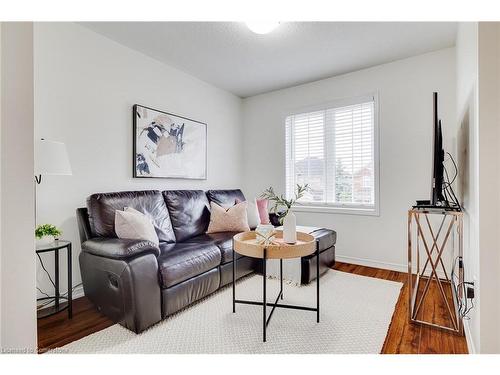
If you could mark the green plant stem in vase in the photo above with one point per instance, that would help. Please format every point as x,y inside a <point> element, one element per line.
<point>286,217</point>
<point>279,200</point>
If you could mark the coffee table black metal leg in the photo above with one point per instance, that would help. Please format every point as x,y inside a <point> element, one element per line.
<point>234,273</point>
<point>317,281</point>
<point>264,300</point>
<point>264,304</point>
<point>281,278</point>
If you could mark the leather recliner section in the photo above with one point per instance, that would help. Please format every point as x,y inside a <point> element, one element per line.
<point>125,290</point>
<point>102,207</point>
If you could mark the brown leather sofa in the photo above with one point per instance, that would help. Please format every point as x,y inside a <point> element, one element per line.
<point>136,283</point>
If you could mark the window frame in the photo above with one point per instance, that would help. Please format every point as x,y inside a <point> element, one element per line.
<point>351,209</point>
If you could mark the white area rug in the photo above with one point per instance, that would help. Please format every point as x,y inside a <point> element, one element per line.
<point>355,315</point>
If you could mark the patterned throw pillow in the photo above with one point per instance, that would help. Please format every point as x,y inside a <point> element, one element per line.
<point>232,219</point>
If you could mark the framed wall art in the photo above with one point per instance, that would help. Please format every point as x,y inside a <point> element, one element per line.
<point>168,145</point>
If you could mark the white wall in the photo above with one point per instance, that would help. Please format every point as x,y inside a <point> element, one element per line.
<point>17,193</point>
<point>467,155</point>
<point>478,137</point>
<point>85,86</point>
<point>489,184</point>
<point>405,99</point>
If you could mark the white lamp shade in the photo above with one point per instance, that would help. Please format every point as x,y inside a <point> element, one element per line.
<point>51,158</point>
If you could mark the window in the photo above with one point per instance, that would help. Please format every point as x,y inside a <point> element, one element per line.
<point>334,151</point>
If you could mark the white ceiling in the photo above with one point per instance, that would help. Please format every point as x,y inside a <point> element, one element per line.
<point>230,56</point>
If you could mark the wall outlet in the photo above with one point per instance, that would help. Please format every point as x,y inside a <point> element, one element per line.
<point>469,291</point>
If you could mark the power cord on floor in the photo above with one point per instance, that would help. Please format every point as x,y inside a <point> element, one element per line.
<point>53,297</point>
<point>464,307</point>
<point>42,305</point>
<point>45,269</point>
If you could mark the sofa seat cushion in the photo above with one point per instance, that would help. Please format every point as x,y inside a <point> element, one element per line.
<point>181,261</point>
<point>223,240</point>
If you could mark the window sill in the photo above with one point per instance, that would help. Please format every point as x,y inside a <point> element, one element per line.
<point>337,210</point>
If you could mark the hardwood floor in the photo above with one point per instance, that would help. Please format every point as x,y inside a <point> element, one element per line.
<point>402,338</point>
<point>406,338</point>
<point>57,330</point>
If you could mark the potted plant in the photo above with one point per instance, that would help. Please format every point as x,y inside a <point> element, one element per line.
<point>46,233</point>
<point>285,215</point>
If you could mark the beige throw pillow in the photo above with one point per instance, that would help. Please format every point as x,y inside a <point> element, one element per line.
<point>232,219</point>
<point>133,224</point>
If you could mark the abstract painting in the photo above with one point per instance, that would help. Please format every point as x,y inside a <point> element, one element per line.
<point>168,146</point>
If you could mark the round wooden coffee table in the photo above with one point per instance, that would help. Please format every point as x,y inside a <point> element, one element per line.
<point>247,244</point>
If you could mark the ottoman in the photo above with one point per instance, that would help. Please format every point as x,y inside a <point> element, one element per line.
<point>303,270</point>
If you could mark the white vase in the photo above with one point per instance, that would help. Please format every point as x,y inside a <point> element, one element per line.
<point>290,228</point>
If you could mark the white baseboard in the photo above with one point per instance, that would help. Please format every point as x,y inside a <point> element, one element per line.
<point>78,292</point>
<point>468,337</point>
<point>372,263</point>
<point>383,265</point>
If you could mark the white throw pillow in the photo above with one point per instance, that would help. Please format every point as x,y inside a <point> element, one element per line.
<point>133,224</point>
<point>253,214</point>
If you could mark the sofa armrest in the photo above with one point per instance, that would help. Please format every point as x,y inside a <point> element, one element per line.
<point>119,248</point>
<point>125,290</point>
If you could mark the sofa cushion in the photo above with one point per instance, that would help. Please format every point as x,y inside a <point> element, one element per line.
<point>181,261</point>
<point>223,240</point>
<point>102,207</point>
<point>225,198</point>
<point>189,212</point>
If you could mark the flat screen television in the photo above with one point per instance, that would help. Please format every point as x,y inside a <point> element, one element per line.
<point>437,196</point>
<point>442,194</point>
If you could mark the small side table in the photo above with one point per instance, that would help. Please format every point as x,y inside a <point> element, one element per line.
<point>246,244</point>
<point>58,305</point>
<point>429,237</point>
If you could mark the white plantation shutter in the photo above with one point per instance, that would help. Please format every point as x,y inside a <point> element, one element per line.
<point>333,150</point>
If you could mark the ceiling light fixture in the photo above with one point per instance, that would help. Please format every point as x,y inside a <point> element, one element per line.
<point>262,27</point>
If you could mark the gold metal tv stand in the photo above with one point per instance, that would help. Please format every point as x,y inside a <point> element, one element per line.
<point>426,229</point>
